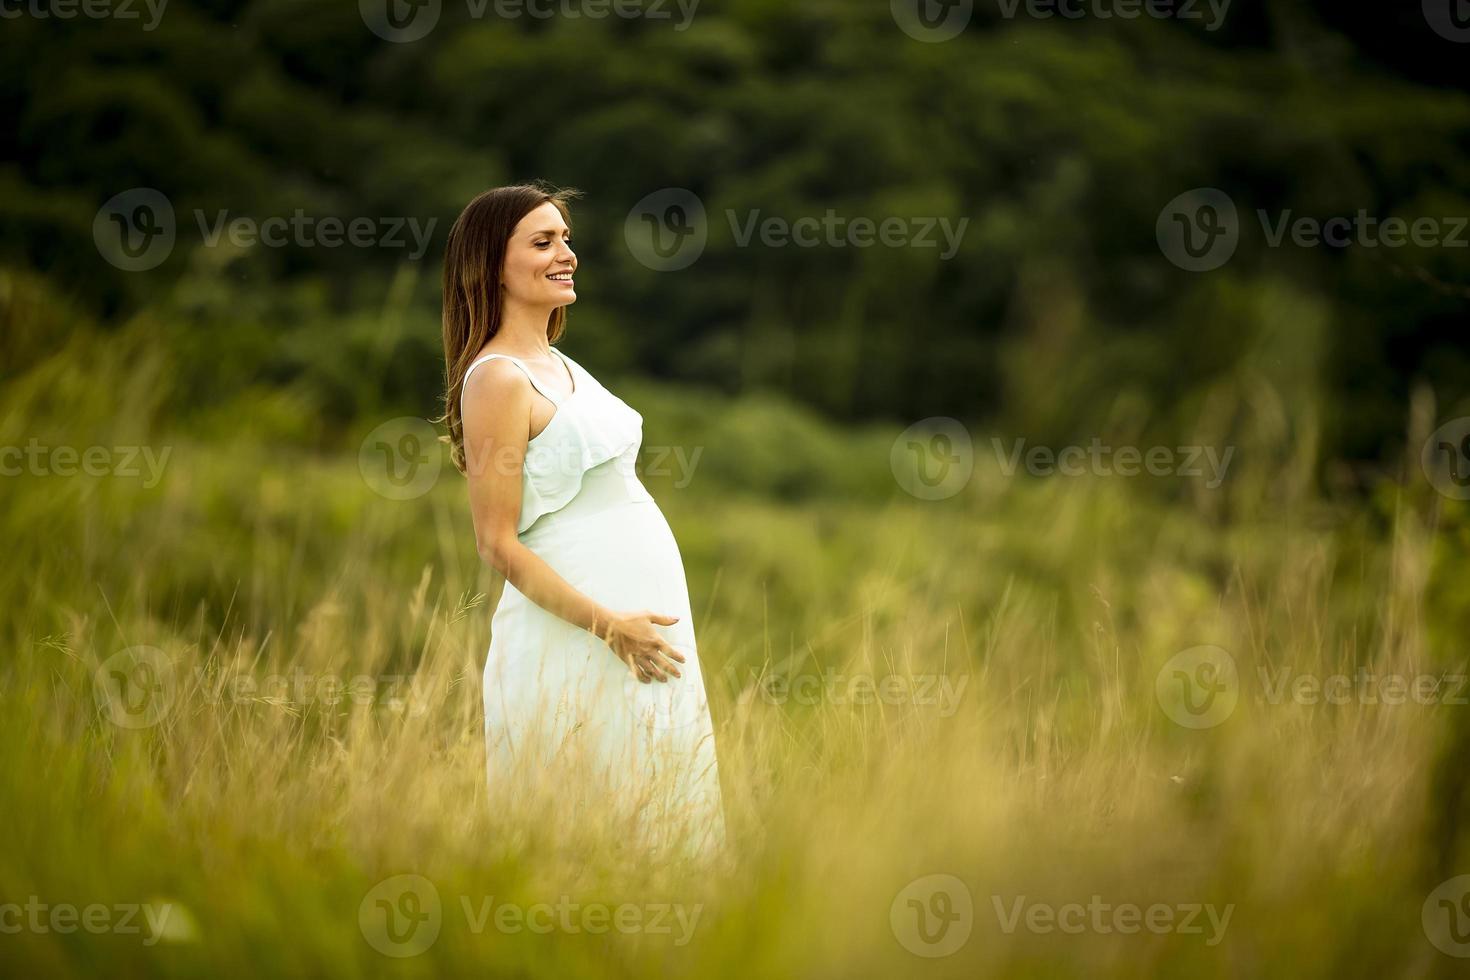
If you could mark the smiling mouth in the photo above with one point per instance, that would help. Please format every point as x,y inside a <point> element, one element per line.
<point>560,277</point>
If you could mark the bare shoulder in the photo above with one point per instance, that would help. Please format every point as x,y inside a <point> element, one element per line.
<point>496,378</point>
<point>496,400</point>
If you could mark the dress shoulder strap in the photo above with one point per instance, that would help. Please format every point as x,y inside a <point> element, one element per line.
<point>518,363</point>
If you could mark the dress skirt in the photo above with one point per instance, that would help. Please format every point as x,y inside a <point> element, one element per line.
<point>559,702</point>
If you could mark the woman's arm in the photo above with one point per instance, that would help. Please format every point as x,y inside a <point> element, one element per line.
<point>497,423</point>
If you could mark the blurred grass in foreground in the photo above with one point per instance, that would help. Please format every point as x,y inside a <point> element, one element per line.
<point>1047,609</point>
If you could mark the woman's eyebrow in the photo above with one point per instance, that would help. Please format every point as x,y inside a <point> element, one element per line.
<point>548,231</point>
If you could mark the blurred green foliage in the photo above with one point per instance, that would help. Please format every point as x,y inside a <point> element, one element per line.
<point>782,376</point>
<point>1059,140</point>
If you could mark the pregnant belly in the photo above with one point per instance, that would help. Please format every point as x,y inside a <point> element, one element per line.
<point>540,665</point>
<point>625,559</point>
<point>623,556</point>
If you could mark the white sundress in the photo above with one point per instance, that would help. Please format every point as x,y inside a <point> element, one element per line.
<point>557,699</point>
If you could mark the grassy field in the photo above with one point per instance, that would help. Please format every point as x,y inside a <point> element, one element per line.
<point>958,737</point>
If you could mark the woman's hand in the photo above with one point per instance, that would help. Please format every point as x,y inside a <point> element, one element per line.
<point>637,644</point>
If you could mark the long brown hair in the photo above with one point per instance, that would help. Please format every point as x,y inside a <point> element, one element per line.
<point>473,258</point>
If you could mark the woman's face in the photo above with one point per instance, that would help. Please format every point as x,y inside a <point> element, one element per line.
<point>540,251</point>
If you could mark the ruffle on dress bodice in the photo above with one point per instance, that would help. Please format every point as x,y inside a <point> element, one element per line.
<point>591,426</point>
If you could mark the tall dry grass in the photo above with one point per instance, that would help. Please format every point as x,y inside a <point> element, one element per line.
<point>1049,774</point>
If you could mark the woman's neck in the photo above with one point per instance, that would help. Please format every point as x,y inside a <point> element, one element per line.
<point>523,331</point>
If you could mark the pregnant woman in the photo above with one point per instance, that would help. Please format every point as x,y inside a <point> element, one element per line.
<point>592,685</point>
